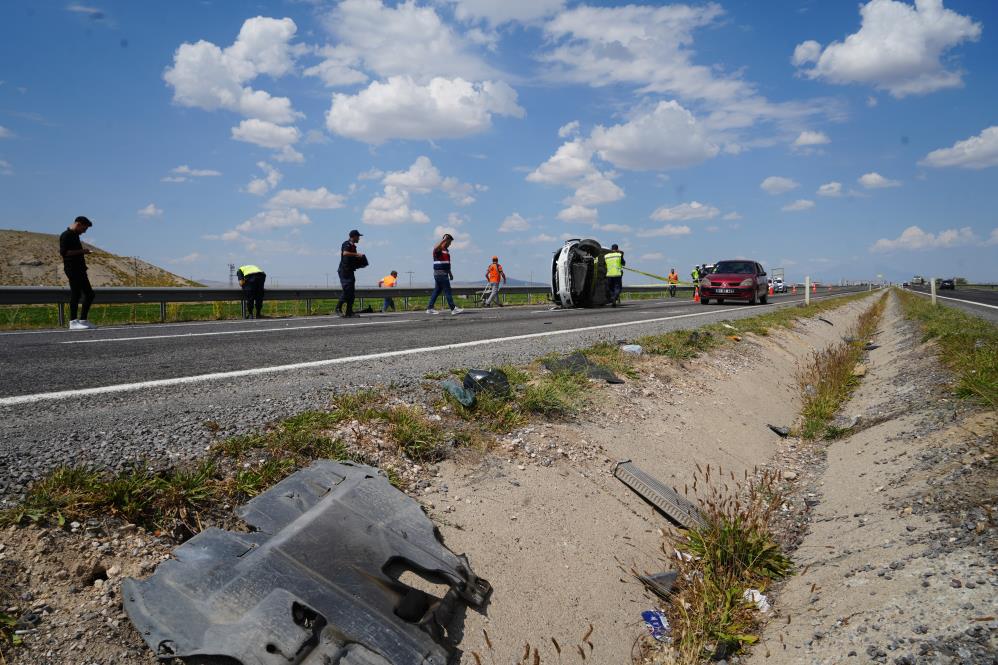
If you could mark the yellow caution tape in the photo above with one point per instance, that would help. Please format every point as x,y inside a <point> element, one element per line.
<point>658,277</point>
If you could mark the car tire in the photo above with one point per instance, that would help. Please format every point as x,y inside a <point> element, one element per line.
<point>720,302</point>
<point>764,299</point>
<point>752,300</point>
<point>704,301</point>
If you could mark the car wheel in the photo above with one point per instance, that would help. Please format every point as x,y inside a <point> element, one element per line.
<point>764,299</point>
<point>704,301</point>
<point>720,302</point>
<point>752,300</point>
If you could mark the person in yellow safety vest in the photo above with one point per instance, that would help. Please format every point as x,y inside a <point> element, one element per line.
<point>251,278</point>
<point>614,273</point>
<point>673,281</point>
<point>493,274</point>
<point>388,281</point>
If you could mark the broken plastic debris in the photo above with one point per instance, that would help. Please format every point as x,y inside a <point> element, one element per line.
<point>632,348</point>
<point>493,381</point>
<point>659,583</point>
<point>735,338</point>
<point>459,392</point>
<point>758,599</point>
<point>666,499</point>
<point>826,321</point>
<point>870,346</point>
<point>779,429</point>
<point>318,579</point>
<point>576,363</point>
<point>658,625</point>
<point>729,327</point>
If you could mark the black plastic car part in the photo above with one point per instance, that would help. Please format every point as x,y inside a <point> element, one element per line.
<point>316,581</point>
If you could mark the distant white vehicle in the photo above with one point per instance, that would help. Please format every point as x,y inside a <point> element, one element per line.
<point>779,286</point>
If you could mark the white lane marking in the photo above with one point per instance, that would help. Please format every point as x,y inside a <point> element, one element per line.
<point>159,383</point>
<point>198,378</point>
<point>237,332</point>
<point>969,302</point>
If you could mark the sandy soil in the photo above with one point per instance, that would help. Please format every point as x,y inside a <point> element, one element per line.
<point>541,517</point>
<point>900,561</point>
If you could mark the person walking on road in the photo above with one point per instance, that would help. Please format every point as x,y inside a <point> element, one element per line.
<point>493,274</point>
<point>614,273</point>
<point>442,275</point>
<point>673,281</point>
<point>75,267</point>
<point>388,282</point>
<point>251,278</point>
<point>350,261</point>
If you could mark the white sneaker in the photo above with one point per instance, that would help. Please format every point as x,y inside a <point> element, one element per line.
<point>432,311</point>
<point>76,324</point>
<point>89,325</point>
<point>456,310</point>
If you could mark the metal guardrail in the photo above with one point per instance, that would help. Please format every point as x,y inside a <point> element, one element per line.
<point>118,295</point>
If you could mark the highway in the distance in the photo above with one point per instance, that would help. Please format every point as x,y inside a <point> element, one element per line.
<point>982,302</point>
<point>35,363</point>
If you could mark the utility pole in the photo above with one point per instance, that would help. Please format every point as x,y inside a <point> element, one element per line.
<point>410,273</point>
<point>135,271</point>
<point>327,280</point>
<point>232,275</point>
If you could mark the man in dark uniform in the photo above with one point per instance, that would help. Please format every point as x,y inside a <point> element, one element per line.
<point>75,267</point>
<point>350,260</point>
<point>252,280</point>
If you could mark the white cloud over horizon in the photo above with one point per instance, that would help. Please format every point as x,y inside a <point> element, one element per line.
<point>914,238</point>
<point>977,152</point>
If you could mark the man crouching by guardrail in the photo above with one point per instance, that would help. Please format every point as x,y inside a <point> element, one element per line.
<point>75,267</point>
<point>252,280</point>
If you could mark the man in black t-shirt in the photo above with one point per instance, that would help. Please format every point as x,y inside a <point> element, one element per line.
<point>350,260</point>
<point>75,267</point>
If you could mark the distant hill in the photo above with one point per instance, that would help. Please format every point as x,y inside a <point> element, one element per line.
<point>32,259</point>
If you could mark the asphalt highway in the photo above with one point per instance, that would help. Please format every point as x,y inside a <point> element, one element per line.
<point>977,301</point>
<point>35,363</point>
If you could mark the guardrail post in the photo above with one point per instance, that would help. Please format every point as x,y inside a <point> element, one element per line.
<point>807,289</point>
<point>308,306</point>
<point>932,289</point>
<point>405,303</point>
<point>62,314</point>
<point>242,308</point>
<point>162,311</point>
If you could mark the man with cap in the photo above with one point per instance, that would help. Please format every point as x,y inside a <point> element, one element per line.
<point>350,260</point>
<point>614,274</point>
<point>493,274</point>
<point>251,278</point>
<point>75,267</point>
<point>442,275</point>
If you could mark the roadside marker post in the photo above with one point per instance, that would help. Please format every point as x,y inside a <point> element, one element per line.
<point>807,289</point>
<point>932,289</point>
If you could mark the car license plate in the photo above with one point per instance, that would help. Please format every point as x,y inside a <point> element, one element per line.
<point>725,290</point>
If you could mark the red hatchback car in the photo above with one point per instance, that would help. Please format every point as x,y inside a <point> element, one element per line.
<point>735,280</point>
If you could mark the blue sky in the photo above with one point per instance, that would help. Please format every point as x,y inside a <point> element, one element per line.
<point>836,139</point>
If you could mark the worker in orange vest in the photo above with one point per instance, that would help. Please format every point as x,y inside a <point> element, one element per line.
<point>493,274</point>
<point>673,281</point>
<point>388,281</point>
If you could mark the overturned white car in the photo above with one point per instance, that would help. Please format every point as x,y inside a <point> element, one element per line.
<point>578,274</point>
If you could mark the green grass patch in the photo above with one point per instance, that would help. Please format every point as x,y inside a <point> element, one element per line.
<point>827,378</point>
<point>968,345</point>
<point>735,551</point>
<point>680,344</point>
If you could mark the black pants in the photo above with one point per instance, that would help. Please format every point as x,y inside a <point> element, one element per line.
<point>613,287</point>
<point>348,283</point>
<point>672,290</point>
<point>253,293</point>
<point>79,285</point>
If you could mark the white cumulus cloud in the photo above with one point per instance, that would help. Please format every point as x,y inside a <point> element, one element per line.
<point>150,211</point>
<point>393,207</point>
<point>666,231</point>
<point>265,134</point>
<point>462,239</point>
<point>402,108</point>
<point>667,137</point>
<point>799,205</point>
<point>270,179</point>
<point>208,77</point>
<point>185,170</point>
<point>569,129</point>
<point>5,133</point>
<point>914,238</point>
<point>775,184</point>
<point>977,152</point>
<point>809,138</point>
<point>874,180</point>
<point>830,189</point>
<point>514,222</point>
<point>685,212</point>
<point>578,213</point>
<point>497,13</point>
<point>272,219</point>
<point>309,199</point>
<point>900,48</point>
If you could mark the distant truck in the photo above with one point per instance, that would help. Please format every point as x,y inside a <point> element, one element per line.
<point>918,280</point>
<point>778,281</point>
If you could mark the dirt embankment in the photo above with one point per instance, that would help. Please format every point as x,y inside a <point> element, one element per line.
<point>540,516</point>
<point>899,564</point>
<point>32,259</point>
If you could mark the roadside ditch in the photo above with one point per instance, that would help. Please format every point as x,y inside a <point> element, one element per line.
<point>523,486</point>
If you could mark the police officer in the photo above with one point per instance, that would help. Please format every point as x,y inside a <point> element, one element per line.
<point>614,273</point>
<point>251,278</point>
